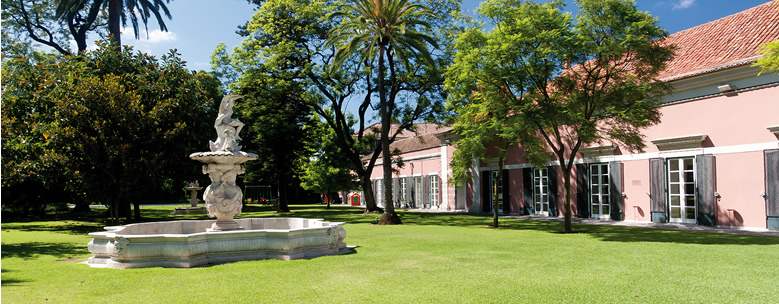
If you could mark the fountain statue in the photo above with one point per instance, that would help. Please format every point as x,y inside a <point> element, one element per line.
<point>192,243</point>
<point>223,164</point>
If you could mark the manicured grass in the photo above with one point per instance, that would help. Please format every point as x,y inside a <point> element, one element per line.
<point>440,258</point>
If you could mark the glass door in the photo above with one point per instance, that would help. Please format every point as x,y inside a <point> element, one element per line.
<point>681,190</point>
<point>599,190</point>
<point>418,192</point>
<point>541,190</point>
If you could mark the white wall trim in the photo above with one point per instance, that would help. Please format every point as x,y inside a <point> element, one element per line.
<point>418,157</point>
<point>745,148</point>
<point>679,142</point>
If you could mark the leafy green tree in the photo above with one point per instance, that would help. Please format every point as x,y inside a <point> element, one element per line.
<point>277,115</point>
<point>384,31</point>
<point>119,11</point>
<point>769,60</point>
<point>485,123</point>
<point>25,21</point>
<point>117,125</point>
<point>54,22</point>
<point>290,38</point>
<point>328,170</point>
<point>576,80</point>
<point>31,182</point>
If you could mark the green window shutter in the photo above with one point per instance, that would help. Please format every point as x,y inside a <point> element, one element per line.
<point>771,158</point>
<point>657,190</point>
<point>527,191</point>
<point>615,190</point>
<point>506,192</point>
<point>441,190</point>
<point>582,191</point>
<point>706,184</point>
<point>552,188</point>
<point>486,191</point>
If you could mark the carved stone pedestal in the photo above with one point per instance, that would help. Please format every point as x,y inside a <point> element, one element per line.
<point>224,199</point>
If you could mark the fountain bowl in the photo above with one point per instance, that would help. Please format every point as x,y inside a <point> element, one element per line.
<point>187,243</point>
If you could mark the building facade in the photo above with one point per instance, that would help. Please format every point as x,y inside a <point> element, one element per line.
<point>713,160</point>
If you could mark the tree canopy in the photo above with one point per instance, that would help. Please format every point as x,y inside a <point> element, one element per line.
<point>571,80</point>
<point>113,126</point>
<point>289,37</point>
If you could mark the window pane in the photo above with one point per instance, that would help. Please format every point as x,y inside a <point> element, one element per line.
<point>594,169</point>
<point>604,189</point>
<point>675,189</point>
<point>596,199</point>
<point>676,212</point>
<point>595,189</point>
<point>604,169</point>
<point>689,176</point>
<point>595,209</point>
<point>688,164</point>
<point>690,201</point>
<point>674,164</point>
<point>674,178</point>
<point>690,214</point>
<point>675,200</point>
<point>689,188</point>
<point>605,209</point>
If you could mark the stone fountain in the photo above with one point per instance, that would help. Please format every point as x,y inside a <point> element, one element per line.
<point>192,243</point>
<point>223,164</point>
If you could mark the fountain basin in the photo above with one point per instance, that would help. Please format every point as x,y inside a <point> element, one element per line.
<point>185,244</point>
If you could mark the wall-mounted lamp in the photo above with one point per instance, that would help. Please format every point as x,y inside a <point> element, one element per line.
<point>726,88</point>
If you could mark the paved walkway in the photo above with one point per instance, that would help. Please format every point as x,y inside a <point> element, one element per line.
<point>668,226</point>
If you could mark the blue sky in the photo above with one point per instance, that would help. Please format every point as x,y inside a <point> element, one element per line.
<point>198,25</point>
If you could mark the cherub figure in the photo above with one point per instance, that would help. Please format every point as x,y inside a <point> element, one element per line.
<point>227,128</point>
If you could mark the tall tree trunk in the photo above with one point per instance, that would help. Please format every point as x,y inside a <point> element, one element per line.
<point>114,20</point>
<point>501,160</point>
<point>389,217</point>
<point>367,193</point>
<point>567,202</point>
<point>123,203</point>
<point>283,197</point>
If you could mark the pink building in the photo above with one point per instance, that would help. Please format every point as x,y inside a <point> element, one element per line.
<point>713,160</point>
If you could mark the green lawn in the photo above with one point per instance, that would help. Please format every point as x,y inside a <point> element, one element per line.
<point>439,258</point>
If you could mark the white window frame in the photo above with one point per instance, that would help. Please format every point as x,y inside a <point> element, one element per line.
<point>419,184</point>
<point>604,198</point>
<point>379,192</point>
<point>434,193</point>
<point>541,181</point>
<point>682,190</point>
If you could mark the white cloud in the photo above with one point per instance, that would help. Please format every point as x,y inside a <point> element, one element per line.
<point>683,4</point>
<point>154,36</point>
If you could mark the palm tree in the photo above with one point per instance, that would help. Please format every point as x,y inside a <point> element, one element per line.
<point>375,29</point>
<point>119,11</point>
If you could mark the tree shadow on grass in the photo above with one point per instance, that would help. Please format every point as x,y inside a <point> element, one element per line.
<point>641,234</point>
<point>34,249</point>
<point>10,282</point>
<point>607,233</point>
<point>69,229</point>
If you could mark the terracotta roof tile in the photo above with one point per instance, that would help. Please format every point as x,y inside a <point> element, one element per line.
<point>722,43</point>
